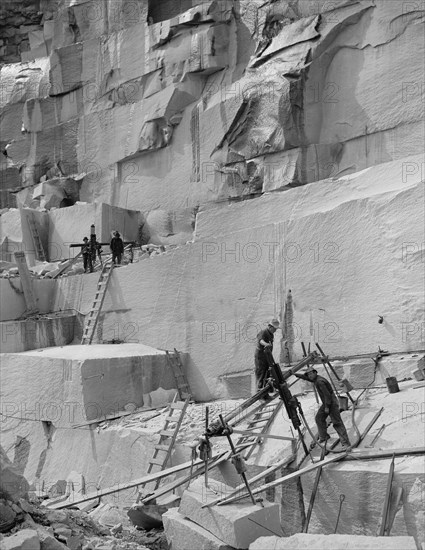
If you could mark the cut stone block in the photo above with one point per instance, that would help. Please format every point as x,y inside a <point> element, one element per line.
<point>335,542</point>
<point>27,539</point>
<point>183,534</point>
<point>236,524</point>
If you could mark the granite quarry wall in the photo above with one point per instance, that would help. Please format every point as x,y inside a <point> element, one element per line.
<point>312,110</point>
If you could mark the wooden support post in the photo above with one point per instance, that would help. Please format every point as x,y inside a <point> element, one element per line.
<point>383,526</point>
<point>30,301</point>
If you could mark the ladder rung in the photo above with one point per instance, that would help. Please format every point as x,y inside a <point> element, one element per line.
<point>177,405</point>
<point>162,447</point>
<point>166,433</point>
<point>157,461</point>
<point>172,418</point>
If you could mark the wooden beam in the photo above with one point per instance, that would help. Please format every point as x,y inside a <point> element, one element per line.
<point>282,480</point>
<point>121,414</point>
<point>360,454</point>
<point>130,484</point>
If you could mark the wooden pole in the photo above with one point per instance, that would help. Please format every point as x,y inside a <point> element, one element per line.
<point>281,464</point>
<point>135,482</point>
<point>282,480</point>
<point>353,455</point>
<point>382,528</point>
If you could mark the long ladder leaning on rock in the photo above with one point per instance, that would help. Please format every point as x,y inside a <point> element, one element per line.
<point>36,239</point>
<point>176,366</point>
<point>167,440</point>
<point>99,297</point>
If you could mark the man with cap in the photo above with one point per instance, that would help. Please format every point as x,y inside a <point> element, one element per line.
<point>329,407</point>
<point>87,258</point>
<point>264,346</point>
<point>117,248</point>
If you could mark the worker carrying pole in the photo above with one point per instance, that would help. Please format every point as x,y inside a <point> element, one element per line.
<point>329,407</point>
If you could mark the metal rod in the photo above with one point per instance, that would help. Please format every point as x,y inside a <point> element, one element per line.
<point>378,433</point>
<point>314,491</point>
<point>341,500</point>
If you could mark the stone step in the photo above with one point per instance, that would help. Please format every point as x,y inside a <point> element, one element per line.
<point>235,524</point>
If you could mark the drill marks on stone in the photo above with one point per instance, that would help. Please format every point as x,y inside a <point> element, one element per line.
<point>129,129</point>
<point>196,148</point>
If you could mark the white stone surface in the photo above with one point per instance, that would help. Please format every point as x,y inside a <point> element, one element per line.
<point>183,534</point>
<point>236,524</point>
<point>316,230</point>
<point>91,381</point>
<point>336,542</point>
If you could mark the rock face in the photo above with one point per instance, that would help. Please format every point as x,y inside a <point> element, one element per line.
<point>213,100</point>
<point>174,109</point>
<point>13,484</point>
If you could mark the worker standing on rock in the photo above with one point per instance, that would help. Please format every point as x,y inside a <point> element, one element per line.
<point>117,248</point>
<point>264,346</point>
<point>87,257</point>
<point>329,407</point>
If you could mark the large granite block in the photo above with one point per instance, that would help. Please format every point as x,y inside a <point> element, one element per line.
<point>334,542</point>
<point>183,534</point>
<point>236,524</point>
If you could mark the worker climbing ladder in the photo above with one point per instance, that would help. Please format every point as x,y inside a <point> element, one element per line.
<point>259,425</point>
<point>167,439</point>
<point>93,314</point>
<point>36,239</point>
<point>176,365</point>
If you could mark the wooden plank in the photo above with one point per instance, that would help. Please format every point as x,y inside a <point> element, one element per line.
<point>360,454</point>
<point>135,482</point>
<point>284,479</point>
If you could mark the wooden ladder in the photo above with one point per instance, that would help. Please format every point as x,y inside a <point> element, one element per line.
<point>93,314</point>
<point>259,424</point>
<point>36,239</point>
<point>176,365</point>
<point>167,439</point>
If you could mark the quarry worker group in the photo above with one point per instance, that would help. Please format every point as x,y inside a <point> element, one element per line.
<point>330,405</point>
<point>91,248</point>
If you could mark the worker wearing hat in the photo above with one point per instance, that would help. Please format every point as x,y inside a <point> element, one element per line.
<point>264,345</point>
<point>329,407</point>
<point>86,253</point>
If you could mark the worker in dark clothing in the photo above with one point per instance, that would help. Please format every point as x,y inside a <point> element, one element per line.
<point>87,256</point>
<point>117,248</point>
<point>264,346</point>
<point>329,407</point>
